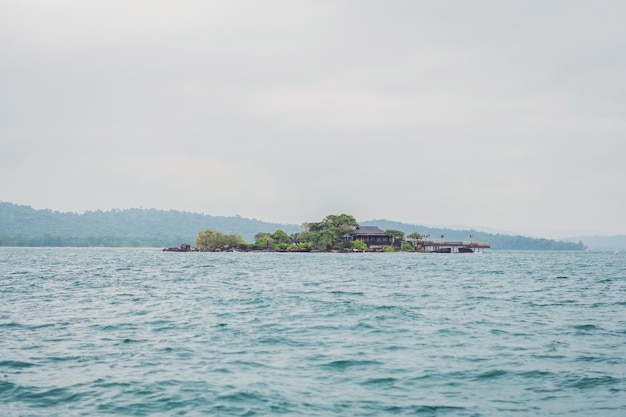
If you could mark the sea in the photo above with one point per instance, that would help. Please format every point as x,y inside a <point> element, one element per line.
<point>141,332</point>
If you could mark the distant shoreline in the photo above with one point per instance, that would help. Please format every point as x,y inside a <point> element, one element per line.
<point>23,226</point>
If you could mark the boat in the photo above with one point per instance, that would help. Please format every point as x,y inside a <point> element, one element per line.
<point>465,249</point>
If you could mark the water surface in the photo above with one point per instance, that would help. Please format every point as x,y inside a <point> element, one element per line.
<point>87,332</point>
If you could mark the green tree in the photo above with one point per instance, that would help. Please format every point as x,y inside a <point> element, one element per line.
<point>303,237</point>
<point>327,234</point>
<point>211,240</point>
<point>398,236</point>
<point>264,240</point>
<point>358,245</point>
<point>325,239</point>
<point>415,235</point>
<point>340,224</point>
<point>407,247</point>
<point>281,237</point>
<point>234,240</point>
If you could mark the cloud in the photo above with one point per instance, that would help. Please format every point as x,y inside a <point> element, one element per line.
<point>505,115</point>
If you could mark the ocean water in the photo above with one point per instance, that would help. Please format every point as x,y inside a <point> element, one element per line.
<point>140,332</point>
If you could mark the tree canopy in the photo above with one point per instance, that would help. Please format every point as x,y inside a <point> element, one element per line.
<point>327,234</point>
<point>212,240</point>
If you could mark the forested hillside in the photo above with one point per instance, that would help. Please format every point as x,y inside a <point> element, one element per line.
<point>24,226</point>
<point>497,241</point>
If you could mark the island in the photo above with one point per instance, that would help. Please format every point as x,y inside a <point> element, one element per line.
<point>335,233</point>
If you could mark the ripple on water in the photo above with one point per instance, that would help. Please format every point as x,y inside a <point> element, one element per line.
<point>15,364</point>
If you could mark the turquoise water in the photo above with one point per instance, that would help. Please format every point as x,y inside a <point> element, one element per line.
<point>86,332</point>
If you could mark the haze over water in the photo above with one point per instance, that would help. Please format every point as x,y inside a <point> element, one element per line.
<point>87,332</point>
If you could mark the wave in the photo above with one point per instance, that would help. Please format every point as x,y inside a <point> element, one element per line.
<point>492,374</point>
<point>424,410</point>
<point>38,396</point>
<point>586,382</point>
<point>349,363</point>
<point>586,327</point>
<point>15,364</point>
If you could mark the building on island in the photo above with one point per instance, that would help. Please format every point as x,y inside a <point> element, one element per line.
<point>370,235</point>
<point>377,240</point>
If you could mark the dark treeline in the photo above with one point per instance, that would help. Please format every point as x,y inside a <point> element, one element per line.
<point>24,226</point>
<point>88,241</point>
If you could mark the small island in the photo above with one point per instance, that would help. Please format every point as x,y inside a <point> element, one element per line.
<point>335,233</point>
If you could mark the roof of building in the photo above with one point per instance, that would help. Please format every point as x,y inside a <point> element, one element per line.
<point>368,230</point>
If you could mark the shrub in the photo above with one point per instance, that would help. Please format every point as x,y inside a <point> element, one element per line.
<point>358,245</point>
<point>406,246</point>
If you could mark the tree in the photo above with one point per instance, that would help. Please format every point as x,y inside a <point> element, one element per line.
<point>302,237</point>
<point>208,239</point>
<point>211,240</point>
<point>281,237</point>
<point>415,236</point>
<point>398,236</point>
<point>327,234</point>
<point>325,239</point>
<point>264,240</point>
<point>358,245</point>
<point>407,247</point>
<point>234,240</point>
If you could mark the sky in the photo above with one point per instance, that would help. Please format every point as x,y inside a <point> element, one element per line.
<point>488,114</point>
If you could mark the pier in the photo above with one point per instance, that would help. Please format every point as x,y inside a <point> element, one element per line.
<point>440,246</point>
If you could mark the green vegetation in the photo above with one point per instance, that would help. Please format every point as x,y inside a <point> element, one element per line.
<point>407,247</point>
<point>358,245</point>
<point>212,240</point>
<point>279,240</point>
<point>398,237</point>
<point>415,236</point>
<point>324,236</point>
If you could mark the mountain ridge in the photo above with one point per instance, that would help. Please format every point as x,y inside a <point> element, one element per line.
<point>22,225</point>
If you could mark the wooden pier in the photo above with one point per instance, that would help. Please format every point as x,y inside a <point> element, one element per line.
<point>440,246</point>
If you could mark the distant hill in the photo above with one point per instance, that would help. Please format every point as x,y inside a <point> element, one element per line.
<point>24,226</point>
<point>497,240</point>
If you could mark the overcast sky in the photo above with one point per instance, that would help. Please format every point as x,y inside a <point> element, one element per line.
<point>509,115</point>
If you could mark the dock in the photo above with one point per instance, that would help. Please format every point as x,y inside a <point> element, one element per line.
<point>440,246</point>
